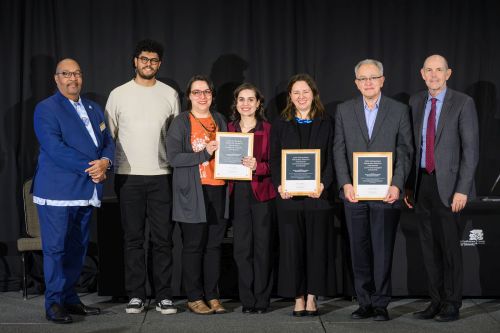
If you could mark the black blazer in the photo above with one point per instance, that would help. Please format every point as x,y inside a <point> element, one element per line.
<point>285,135</point>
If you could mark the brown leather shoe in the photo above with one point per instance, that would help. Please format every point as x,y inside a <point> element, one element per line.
<point>216,306</point>
<point>199,307</point>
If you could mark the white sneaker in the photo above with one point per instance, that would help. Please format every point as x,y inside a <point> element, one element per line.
<point>136,305</point>
<point>166,307</point>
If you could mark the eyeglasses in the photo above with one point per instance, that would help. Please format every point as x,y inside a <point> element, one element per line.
<point>368,79</point>
<point>198,93</point>
<point>145,60</point>
<point>67,75</point>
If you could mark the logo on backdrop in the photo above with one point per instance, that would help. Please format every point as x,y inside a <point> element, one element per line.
<point>476,237</point>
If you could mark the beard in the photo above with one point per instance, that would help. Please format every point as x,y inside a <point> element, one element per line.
<point>145,76</point>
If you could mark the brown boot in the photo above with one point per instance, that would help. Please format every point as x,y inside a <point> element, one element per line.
<point>216,306</point>
<point>199,307</point>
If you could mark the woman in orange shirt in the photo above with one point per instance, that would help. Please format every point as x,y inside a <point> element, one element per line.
<point>199,200</point>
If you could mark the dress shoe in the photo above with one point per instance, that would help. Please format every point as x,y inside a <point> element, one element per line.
<point>448,313</point>
<point>81,309</point>
<point>381,314</point>
<point>199,307</point>
<point>363,312</point>
<point>430,312</point>
<point>260,310</point>
<point>247,309</point>
<point>58,314</point>
<point>216,306</point>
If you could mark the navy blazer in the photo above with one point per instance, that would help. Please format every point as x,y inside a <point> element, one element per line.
<point>66,148</point>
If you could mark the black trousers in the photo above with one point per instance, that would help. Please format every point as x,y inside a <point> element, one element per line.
<point>306,265</point>
<point>253,235</point>
<point>372,229</point>
<point>201,251</point>
<point>141,198</point>
<point>439,230</point>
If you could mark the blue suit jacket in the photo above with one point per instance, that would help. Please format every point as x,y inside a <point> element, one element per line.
<point>66,148</point>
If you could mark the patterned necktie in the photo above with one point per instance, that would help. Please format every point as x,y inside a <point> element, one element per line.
<point>429,138</point>
<point>85,119</point>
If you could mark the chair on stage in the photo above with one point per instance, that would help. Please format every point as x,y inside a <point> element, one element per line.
<point>33,241</point>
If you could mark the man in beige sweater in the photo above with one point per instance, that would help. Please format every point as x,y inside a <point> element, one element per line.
<point>139,113</point>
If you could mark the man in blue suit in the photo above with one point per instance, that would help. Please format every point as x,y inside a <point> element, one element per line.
<point>76,150</point>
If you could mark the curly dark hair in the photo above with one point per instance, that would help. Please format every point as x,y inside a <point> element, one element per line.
<point>147,45</point>
<point>259,113</point>
<point>317,108</point>
<point>210,86</point>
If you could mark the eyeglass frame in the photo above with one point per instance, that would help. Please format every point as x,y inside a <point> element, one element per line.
<point>144,60</point>
<point>68,74</point>
<point>368,79</point>
<point>198,93</point>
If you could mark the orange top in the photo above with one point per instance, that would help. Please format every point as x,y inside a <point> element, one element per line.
<point>203,131</point>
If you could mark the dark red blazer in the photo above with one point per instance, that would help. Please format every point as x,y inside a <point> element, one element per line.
<point>261,183</point>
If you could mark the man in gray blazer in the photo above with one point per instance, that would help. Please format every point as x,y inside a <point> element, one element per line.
<point>447,145</point>
<point>372,123</point>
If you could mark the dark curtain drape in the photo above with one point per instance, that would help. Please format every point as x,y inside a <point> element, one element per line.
<point>260,41</point>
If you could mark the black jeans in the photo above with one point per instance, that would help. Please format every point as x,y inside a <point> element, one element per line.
<point>201,248</point>
<point>146,198</point>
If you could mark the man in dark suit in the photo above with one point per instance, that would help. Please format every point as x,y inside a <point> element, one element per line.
<point>372,123</point>
<point>447,145</point>
<point>76,149</point>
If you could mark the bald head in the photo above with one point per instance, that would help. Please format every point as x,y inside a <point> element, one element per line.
<point>436,58</point>
<point>435,73</point>
<point>68,78</point>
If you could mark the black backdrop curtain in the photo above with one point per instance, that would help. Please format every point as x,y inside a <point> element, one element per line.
<point>260,41</point>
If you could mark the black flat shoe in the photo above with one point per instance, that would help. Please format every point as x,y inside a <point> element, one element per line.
<point>300,313</point>
<point>82,309</point>
<point>363,312</point>
<point>57,314</point>
<point>312,313</point>
<point>260,310</point>
<point>246,309</point>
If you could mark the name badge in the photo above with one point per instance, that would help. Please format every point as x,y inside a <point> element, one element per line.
<point>102,126</point>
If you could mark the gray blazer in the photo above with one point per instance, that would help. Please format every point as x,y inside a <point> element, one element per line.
<point>456,147</point>
<point>391,133</point>
<point>188,204</point>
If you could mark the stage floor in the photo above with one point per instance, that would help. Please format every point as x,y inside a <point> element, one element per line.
<point>17,315</point>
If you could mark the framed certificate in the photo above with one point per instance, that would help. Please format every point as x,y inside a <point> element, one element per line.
<point>372,175</point>
<point>232,148</point>
<point>300,171</point>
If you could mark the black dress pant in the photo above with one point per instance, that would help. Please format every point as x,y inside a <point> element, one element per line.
<point>372,229</point>
<point>306,265</point>
<point>253,235</point>
<point>201,251</point>
<point>141,198</point>
<point>439,230</point>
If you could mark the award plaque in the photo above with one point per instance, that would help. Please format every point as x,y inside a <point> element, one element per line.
<point>300,171</point>
<point>228,158</point>
<point>372,175</point>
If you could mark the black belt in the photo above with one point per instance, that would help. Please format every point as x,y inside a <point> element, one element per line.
<point>425,172</point>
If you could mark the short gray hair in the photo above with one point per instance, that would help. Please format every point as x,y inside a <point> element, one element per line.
<point>374,62</point>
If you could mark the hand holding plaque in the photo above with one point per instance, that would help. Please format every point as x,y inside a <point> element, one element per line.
<point>233,149</point>
<point>301,171</point>
<point>372,175</point>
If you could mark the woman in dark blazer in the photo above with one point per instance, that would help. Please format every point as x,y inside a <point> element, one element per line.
<point>199,200</point>
<point>306,267</point>
<point>253,204</point>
